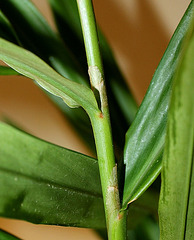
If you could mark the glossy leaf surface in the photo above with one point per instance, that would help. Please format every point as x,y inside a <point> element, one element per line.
<point>6,236</point>
<point>31,66</point>
<point>145,138</point>
<point>177,191</point>
<point>43,183</point>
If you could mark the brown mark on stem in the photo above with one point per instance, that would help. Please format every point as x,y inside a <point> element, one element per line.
<point>97,82</point>
<point>101,115</point>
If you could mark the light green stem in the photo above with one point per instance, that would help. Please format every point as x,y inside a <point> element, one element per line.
<point>116,220</point>
<point>88,23</point>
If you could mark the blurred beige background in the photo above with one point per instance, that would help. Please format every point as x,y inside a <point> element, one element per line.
<point>138,31</point>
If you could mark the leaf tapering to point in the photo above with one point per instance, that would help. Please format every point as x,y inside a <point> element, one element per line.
<point>145,138</point>
<point>176,209</point>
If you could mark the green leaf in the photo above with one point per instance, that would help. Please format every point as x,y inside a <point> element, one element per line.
<point>68,23</point>
<point>190,211</point>
<point>36,35</point>
<point>121,102</point>
<point>177,191</point>
<point>69,27</point>
<point>44,183</point>
<point>6,30</point>
<point>148,229</point>
<point>7,71</point>
<point>146,205</point>
<point>53,185</point>
<point>145,138</point>
<point>79,119</point>
<point>7,236</point>
<point>31,66</point>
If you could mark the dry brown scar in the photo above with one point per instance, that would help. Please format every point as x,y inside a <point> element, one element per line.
<point>101,115</point>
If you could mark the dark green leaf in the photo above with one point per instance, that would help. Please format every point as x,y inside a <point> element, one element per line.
<point>35,34</point>
<point>102,233</point>
<point>7,236</point>
<point>70,29</point>
<point>7,71</point>
<point>148,229</point>
<point>122,105</point>
<point>68,24</point>
<point>146,205</point>
<point>53,185</point>
<point>121,102</point>
<point>79,119</point>
<point>145,138</point>
<point>177,191</point>
<point>190,212</point>
<point>44,183</point>
<point>116,83</point>
<point>31,66</point>
<point>6,30</point>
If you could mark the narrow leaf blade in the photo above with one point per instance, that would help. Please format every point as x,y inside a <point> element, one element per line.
<point>190,212</point>
<point>177,190</point>
<point>6,30</point>
<point>148,229</point>
<point>35,34</point>
<point>7,71</point>
<point>122,105</point>
<point>68,23</point>
<point>145,138</point>
<point>47,184</point>
<point>31,27</point>
<point>53,185</point>
<point>7,236</point>
<point>31,66</point>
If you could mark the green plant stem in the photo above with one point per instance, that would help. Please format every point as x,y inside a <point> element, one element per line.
<point>95,66</point>
<point>89,29</point>
<point>116,220</point>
